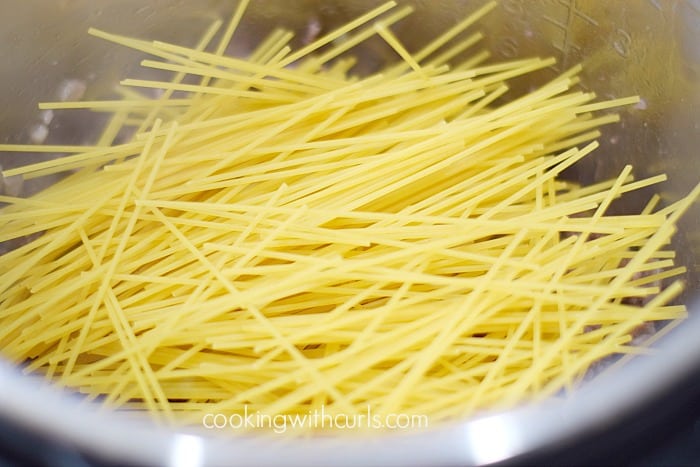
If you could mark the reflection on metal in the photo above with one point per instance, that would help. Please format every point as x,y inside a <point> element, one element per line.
<point>186,451</point>
<point>492,439</point>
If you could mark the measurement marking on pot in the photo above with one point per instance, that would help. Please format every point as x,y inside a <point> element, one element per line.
<point>517,21</point>
<point>572,12</point>
<point>622,42</point>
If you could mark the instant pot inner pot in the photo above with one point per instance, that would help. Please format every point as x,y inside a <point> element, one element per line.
<point>646,48</point>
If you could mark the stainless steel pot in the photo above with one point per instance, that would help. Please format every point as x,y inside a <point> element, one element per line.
<point>645,47</point>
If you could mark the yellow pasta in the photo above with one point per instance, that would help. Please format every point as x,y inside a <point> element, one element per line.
<point>284,236</point>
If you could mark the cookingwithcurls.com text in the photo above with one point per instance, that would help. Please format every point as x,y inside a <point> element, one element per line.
<point>316,419</point>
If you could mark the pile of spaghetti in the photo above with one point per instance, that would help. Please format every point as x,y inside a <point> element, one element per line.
<point>279,235</point>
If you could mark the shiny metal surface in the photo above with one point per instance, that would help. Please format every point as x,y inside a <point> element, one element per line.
<point>645,47</point>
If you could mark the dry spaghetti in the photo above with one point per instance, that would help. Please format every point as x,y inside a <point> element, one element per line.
<point>284,237</point>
